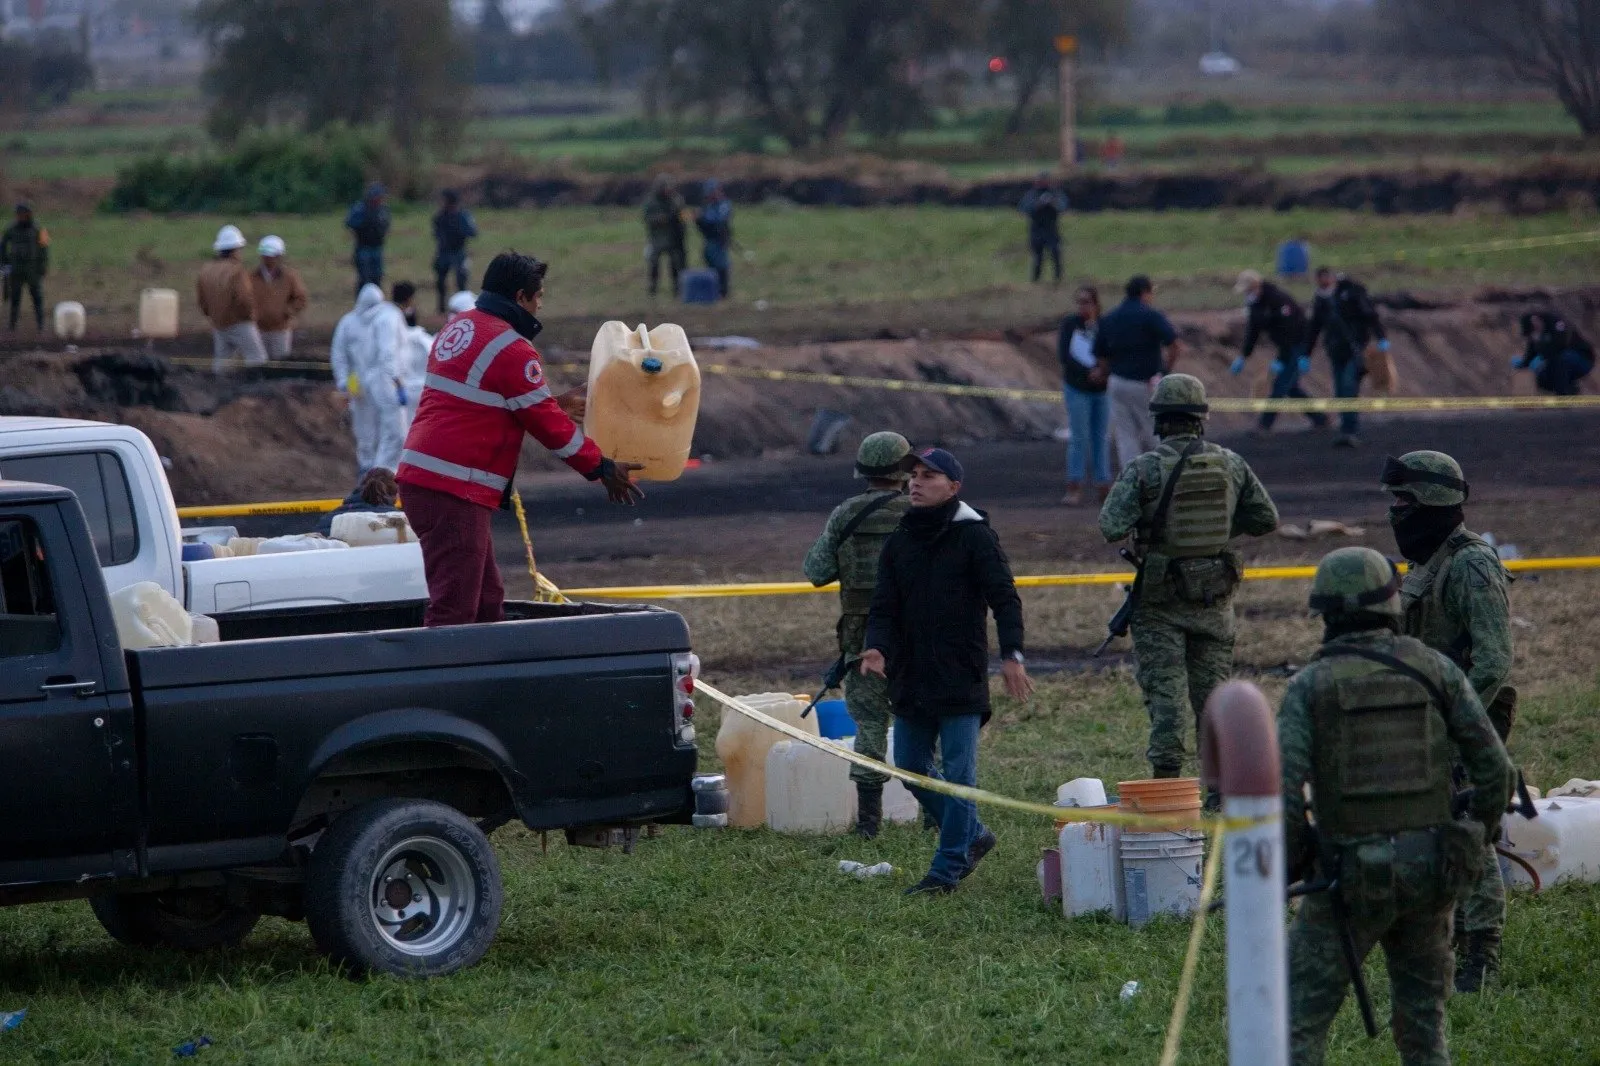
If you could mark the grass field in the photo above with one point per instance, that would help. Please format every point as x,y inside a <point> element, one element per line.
<point>108,131</point>
<point>819,271</point>
<point>749,947</point>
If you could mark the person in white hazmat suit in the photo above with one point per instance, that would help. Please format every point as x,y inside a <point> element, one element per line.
<point>365,354</point>
<point>416,344</point>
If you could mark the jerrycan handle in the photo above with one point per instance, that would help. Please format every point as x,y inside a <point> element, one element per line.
<point>649,364</point>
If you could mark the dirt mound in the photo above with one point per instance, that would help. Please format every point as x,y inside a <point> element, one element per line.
<point>232,442</point>
<point>1545,186</point>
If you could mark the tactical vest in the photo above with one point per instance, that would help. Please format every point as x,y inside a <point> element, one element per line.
<point>1381,748</point>
<point>858,556</point>
<point>1422,598</point>
<point>1201,514</point>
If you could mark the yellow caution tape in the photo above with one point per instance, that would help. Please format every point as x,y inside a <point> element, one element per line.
<point>244,510</point>
<point>1191,958</point>
<point>1035,581</point>
<point>1245,405</point>
<point>1126,819</point>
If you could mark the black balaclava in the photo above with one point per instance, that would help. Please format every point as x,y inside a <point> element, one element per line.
<point>1419,530</point>
<point>411,316</point>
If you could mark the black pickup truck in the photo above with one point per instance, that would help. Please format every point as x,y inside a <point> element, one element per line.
<point>340,764</point>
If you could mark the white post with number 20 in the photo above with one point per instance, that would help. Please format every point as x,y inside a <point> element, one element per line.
<point>1241,759</point>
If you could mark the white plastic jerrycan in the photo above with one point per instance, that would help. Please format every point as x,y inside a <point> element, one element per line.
<point>644,397</point>
<point>808,790</point>
<point>158,313</point>
<point>742,745</point>
<point>70,320</point>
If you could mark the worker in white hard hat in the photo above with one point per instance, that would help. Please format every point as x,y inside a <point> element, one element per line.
<point>280,297</point>
<point>228,300</point>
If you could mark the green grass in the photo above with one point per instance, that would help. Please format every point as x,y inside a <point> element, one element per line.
<point>825,270</point>
<point>745,946</point>
<point>621,141</point>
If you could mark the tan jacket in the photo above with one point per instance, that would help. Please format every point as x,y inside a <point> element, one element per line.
<point>223,290</point>
<point>279,300</point>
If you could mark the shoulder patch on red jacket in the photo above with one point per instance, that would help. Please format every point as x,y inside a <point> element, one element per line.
<point>454,339</point>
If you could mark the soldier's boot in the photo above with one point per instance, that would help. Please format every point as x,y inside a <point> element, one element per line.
<point>1479,962</point>
<point>869,810</point>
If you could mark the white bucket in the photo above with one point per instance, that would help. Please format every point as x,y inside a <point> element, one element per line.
<point>1161,874</point>
<point>1082,792</point>
<point>1091,873</point>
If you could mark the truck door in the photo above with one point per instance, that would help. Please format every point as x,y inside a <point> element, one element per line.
<point>58,741</point>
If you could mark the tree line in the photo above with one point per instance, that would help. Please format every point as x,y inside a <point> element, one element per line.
<point>806,71</point>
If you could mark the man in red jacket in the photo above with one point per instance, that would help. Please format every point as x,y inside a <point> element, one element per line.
<point>484,388</point>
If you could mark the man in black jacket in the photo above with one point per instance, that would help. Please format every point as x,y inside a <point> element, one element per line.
<point>941,573</point>
<point>1273,312</point>
<point>1347,322</point>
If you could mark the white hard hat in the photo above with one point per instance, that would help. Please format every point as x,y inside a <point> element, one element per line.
<point>228,239</point>
<point>462,301</point>
<point>1248,279</point>
<point>271,246</point>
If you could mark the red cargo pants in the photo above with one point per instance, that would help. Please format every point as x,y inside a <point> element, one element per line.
<point>457,557</point>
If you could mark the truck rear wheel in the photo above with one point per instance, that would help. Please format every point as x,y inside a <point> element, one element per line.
<point>189,919</point>
<point>407,887</point>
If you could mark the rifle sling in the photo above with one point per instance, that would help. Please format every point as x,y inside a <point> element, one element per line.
<point>1158,521</point>
<point>866,512</point>
<point>1444,702</point>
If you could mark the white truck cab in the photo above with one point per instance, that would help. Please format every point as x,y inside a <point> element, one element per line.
<point>122,486</point>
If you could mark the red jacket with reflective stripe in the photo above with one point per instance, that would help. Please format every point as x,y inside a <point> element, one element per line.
<point>485,387</point>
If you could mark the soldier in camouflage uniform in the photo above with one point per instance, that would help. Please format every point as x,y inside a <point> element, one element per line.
<point>1455,602</point>
<point>1183,627</point>
<point>1374,725</point>
<point>847,552</point>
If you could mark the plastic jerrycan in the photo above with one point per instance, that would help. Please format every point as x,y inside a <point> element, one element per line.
<point>808,790</point>
<point>158,313</point>
<point>70,320</point>
<point>743,744</point>
<point>644,397</point>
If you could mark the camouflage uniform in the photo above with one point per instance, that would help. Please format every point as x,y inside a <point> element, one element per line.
<point>1377,747</point>
<point>1183,628</point>
<point>854,564</point>
<point>1457,603</point>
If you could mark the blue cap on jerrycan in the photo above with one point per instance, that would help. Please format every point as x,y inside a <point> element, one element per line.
<point>650,365</point>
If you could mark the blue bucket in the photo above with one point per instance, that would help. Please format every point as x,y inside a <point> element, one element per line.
<point>833,721</point>
<point>1294,259</point>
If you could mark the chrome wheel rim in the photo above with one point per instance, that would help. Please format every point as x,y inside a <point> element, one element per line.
<point>423,896</point>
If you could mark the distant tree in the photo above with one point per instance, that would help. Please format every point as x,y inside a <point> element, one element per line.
<point>1555,43</point>
<point>805,70</point>
<point>43,73</point>
<point>320,62</point>
<point>495,50</point>
<point>1024,33</point>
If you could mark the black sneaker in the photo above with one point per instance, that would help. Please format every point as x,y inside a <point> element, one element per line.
<point>978,849</point>
<point>1347,440</point>
<point>931,886</point>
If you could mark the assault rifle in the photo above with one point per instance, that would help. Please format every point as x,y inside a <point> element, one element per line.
<point>1329,883</point>
<point>1118,626</point>
<point>834,678</point>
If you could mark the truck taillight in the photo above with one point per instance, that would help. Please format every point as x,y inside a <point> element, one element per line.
<point>685,668</point>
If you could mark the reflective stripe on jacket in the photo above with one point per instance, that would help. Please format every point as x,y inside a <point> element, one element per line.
<point>484,388</point>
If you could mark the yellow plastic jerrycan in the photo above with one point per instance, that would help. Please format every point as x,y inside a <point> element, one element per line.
<point>743,744</point>
<point>644,397</point>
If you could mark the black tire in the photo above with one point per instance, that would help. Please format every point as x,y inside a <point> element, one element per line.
<point>189,919</point>
<point>383,850</point>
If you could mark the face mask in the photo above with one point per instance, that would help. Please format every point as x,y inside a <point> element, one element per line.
<point>411,318</point>
<point>1419,530</point>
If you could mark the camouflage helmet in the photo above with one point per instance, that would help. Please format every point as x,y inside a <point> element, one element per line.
<point>1180,394</point>
<point>1433,478</point>
<point>1355,580</point>
<point>884,455</point>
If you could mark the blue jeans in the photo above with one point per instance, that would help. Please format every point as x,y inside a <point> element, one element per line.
<point>1348,368</point>
<point>1088,420</point>
<point>1287,385</point>
<point>369,267</point>
<point>1562,374</point>
<point>957,738</point>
